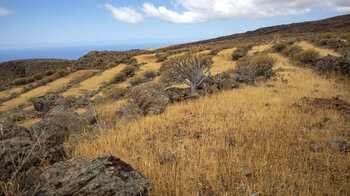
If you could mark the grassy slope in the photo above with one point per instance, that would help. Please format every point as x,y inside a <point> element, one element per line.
<point>93,83</point>
<point>51,87</point>
<point>271,140</point>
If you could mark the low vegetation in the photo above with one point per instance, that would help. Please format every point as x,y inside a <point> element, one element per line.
<point>307,56</point>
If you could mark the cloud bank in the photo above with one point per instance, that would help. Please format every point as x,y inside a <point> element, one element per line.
<point>5,12</point>
<point>199,11</point>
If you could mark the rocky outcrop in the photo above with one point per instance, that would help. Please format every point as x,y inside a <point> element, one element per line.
<point>46,102</point>
<point>128,112</point>
<point>58,124</point>
<point>105,175</point>
<point>19,152</point>
<point>329,64</point>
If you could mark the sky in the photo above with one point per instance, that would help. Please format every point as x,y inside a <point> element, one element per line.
<point>30,23</point>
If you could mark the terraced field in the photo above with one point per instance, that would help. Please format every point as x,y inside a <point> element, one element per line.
<point>52,87</point>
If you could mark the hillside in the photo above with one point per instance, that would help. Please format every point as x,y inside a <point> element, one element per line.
<point>272,117</point>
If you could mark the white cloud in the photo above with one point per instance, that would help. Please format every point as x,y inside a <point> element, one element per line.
<point>197,11</point>
<point>5,12</point>
<point>172,16</point>
<point>124,14</point>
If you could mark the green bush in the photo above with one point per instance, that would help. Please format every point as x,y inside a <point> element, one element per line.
<point>131,61</point>
<point>19,81</point>
<point>293,50</point>
<point>118,78</point>
<point>149,74</point>
<point>307,56</point>
<point>279,47</point>
<point>111,64</point>
<point>30,79</point>
<point>328,35</point>
<point>129,70</point>
<point>114,92</point>
<point>136,81</point>
<point>249,46</point>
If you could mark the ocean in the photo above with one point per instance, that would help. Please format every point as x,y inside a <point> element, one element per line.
<point>68,52</point>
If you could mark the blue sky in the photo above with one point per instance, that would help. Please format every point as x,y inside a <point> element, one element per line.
<point>77,22</point>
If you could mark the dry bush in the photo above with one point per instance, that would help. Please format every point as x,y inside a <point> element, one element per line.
<point>19,81</point>
<point>293,50</point>
<point>307,56</point>
<point>118,78</point>
<point>328,35</point>
<point>136,81</point>
<point>129,70</point>
<point>345,35</point>
<point>114,92</point>
<point>291,41</point>
<point>259,65</point>
<point>279,47</point>
<point>149,74</point>
<point>111,64</point>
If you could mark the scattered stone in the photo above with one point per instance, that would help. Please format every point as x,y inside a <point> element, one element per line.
<point>267,105</point>
<point>105,175</point>
<point>230,140</point>
<point>228,84</point>
<point>247,172</point>
<point>90,116</point>
<point>275,91</point>
<point>128,112</point>
<point>340,145</point>
<point>315,148</point>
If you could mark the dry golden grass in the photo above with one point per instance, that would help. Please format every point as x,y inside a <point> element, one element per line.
<point>259,48</point>
<point>80,110</point>
<point>93,83</point>
<point>28,123</point>
<point>272,141</point>
<point>223,61</point>
<point>7,93</point>
<point>51,87</point>
<point>323,52</point>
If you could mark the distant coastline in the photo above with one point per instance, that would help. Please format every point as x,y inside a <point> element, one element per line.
<point>69,52</point>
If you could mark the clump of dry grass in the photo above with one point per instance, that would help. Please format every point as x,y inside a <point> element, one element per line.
<point>184,151</point>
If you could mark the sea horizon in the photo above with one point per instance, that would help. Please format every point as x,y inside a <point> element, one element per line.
<point>69,52</point>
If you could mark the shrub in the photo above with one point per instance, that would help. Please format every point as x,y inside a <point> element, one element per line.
<point>161,57</point>
<point>136,81</point>
<point>328,35</point>
<point>214,52</point>
<point>345,35</point>
<point>119,77</point>
<point>114,92</point>
<point>348,40</point>
<point>249,46</point>
<point>129,70</point>
<point>293,50</point>
<point>111,64</point>
<point>291,41</point>
<point>279,47</point>
<point>323,41</point>
<point>50,72</point>
<point>130,61</point>
<point>149,74</point>
<point>259,65</point>
<point>237,55</point>
<point>30,79</point>
<point>307,56</point>
<point>38,76</point>
<point>19,81</point>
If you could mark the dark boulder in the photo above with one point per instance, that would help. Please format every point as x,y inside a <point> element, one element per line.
<point>90,116</point>
<point>178,94</point>
<point>58,124</point>
<point>19,152</point>
<point>105,175</point>
<point>128,112</point>
<point>46,102</point>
